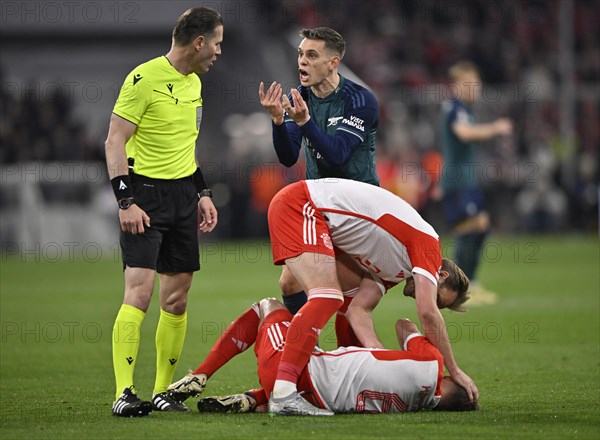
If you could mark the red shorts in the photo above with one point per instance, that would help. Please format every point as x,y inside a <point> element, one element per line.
<point>296,226</point>
<point>269,348</point>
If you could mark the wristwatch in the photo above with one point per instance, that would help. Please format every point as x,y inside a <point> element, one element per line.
<point>205,193</point>
<point>126,203</point>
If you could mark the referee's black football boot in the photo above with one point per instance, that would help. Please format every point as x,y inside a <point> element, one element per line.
<point>168,402</point>
<point>130,405</point>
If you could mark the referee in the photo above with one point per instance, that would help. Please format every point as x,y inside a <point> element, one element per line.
<point>160,190</point>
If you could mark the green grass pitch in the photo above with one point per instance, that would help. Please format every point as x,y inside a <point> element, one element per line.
<point>534,356</point>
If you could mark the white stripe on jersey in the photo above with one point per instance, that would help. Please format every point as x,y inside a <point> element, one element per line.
<point>309,232</point>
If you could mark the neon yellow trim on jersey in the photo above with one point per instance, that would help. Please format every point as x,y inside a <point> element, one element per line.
<point>166,106</point>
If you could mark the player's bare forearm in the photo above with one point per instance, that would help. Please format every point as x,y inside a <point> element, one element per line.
<point>432,321</point>
<point>359,313</point>
<point>362,325</point>
<point>482,132</point>
<point>434,329</point>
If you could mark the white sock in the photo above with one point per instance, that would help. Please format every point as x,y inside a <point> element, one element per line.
<point>283,388</point>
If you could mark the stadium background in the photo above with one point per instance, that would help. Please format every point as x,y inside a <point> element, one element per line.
<point>62,64</point>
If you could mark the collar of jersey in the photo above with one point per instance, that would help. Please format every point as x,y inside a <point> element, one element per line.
<point>333,94</point>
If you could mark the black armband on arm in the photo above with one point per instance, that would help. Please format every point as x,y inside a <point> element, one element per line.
<point>122,187</point>
<point>199,181</point>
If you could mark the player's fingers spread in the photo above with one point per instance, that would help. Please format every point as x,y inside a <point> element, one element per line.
<point>276,95</point>
<point>285,102</point>
<point>261,90</point>
<point>296,95</point>
<point>272,88</point>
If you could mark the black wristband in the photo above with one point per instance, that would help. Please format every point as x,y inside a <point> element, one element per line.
<point>199,180</point>
<point>122,187</point>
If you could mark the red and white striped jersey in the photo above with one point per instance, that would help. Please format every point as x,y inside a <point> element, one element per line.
<point>380,230</point>
<point>353,379</point>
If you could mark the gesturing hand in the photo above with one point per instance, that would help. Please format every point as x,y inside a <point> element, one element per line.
<point>271,101</point>
<point>299,112</point>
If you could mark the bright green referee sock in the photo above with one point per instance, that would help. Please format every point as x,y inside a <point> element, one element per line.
<point>170,335</point>
<point>125,344</point>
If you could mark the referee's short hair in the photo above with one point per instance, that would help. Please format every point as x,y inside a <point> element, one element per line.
<point>195,22</point>
<point>333,40</point>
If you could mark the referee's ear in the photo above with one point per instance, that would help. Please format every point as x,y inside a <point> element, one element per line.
<point>198,42</point>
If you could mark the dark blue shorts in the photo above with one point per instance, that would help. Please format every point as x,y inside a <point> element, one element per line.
<point>462,204</point>
<point>170,244</point>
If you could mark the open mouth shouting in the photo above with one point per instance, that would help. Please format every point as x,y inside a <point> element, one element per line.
<point>304,76</point>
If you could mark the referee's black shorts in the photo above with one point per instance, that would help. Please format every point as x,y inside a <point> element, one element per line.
<point>170,244</point>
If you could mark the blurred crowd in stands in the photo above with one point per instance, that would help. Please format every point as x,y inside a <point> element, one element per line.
<point>536,180</point>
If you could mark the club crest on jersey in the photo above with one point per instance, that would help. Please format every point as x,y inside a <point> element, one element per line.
<point>327,240</point>
<point>334,121</point>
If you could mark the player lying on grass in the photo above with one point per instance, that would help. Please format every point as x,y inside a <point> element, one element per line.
<point>310,222</point>
<point>347,380</point>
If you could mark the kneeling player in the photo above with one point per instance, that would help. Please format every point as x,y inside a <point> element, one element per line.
<point>349,379</point>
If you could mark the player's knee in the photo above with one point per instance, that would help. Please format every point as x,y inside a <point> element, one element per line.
<point>268,305</point>
<point>288,284</point>
<point>175,304</point>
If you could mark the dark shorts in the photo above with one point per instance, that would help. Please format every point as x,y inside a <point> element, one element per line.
<point>170,244</point>
<point>462,204</point>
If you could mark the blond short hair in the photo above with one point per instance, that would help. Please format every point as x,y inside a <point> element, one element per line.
<point>457,281</point>
<point>457,70</point>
